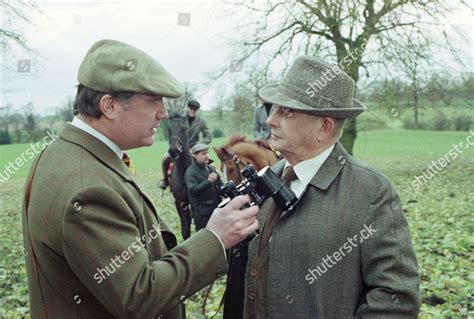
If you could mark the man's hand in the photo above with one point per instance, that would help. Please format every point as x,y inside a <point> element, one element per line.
<point>231,224</point>
<point>212,178</point>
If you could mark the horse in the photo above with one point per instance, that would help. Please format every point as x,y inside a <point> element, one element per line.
<point>239,152</point>
<point>181,159</point>
<point>234,155</point>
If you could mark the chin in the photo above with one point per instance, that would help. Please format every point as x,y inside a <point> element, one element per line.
<point>276,144</point>
<point>148,141</point>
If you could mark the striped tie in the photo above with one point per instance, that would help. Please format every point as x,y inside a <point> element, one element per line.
<point>128,162</point>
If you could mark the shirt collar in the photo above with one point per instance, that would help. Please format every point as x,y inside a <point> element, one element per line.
<point>306,169</point>
<point>77,122</point>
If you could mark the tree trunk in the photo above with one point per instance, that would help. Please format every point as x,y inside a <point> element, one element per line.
<point>350,134</point>
<point>415,106</point>
<point>350,129</point>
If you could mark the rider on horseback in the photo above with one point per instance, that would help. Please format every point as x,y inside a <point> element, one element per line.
<point>196,125</point>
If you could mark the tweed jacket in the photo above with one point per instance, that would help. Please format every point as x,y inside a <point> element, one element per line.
<point>101,248</point>
<point>260,127</point>
<point>199,125</point>
<point>344,252</point>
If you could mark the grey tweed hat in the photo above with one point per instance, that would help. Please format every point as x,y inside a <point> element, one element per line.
<point>316,87</point>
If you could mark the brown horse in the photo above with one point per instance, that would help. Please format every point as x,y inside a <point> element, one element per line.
<point>239,152</point>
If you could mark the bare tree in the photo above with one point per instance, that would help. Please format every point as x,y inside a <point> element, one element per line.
<point>14,13</point>
<point>219,108</point>
<point>179,105</point>
<point>442,87</point>
<point>64,112</point>
<point>243,110</point>
<point>334,30</point>
<point>254,79</point>
<point>412,61</point>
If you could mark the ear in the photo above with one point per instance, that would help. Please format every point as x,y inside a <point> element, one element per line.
<point>108,106</point>
<point>327,127</point>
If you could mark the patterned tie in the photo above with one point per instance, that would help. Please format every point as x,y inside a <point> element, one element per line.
<point>128,162</point>
<point>275,212</point>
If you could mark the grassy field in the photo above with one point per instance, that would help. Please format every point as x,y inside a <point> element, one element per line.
<point>439,213</point>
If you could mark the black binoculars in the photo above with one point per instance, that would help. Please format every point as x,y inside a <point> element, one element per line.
<point>259,186</point>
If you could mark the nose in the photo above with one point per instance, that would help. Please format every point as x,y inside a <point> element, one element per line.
<point>273,119</point>
<point>162,112</point>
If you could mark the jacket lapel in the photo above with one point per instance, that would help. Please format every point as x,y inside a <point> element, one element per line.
<point>105,155</point>
<point>330,168</point>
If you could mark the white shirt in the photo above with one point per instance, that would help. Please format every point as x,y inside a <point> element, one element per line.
<point>306,170</point>
<point>77,122</point>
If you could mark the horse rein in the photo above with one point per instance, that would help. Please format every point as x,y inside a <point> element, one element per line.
<point>179,147</point>
<point>236,160</point>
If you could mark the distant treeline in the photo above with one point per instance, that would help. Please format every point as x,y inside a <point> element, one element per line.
<point>442,103</point>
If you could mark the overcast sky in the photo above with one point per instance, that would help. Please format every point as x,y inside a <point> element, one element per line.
<point>65,30</point>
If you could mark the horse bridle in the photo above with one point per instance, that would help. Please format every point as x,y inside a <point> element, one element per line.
<point>236,160</point>
<point>179,148</point>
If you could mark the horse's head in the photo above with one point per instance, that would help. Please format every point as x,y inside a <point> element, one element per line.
<point>228,165</point>
<point>178,135</point>
<point>238,153</point>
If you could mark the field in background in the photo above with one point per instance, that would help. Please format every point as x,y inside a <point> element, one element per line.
<point>371,146</point>
<point>439,214</point>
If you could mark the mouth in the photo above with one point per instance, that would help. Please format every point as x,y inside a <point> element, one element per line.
<point>276,137</point>
<point>153,131</point>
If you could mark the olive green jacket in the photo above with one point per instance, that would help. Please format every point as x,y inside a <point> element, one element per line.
<point>199,125</point>
<point>102,250</point>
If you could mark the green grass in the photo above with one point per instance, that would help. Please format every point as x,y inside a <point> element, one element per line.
<point>371,146</point>
<point>145,158</point>
<point>439,214</point>
<point>402,145</point>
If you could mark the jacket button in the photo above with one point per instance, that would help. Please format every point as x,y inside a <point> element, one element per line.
<point>253,272</point>
<point>220,273</point>
<point>77,299</point>
<point>252,296</point>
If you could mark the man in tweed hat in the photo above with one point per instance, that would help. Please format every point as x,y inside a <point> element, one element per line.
<point>345,250</point>
<point>96,245</point>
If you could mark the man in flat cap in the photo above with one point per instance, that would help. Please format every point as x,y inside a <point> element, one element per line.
<point>96,245</point>
<point>197,126</point>
<point>345,250</point>
<point>203,184</point>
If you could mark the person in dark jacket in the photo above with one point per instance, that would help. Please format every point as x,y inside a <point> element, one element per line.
<point>260,128</point>
<point>203,185</point>
<point>197,126</point>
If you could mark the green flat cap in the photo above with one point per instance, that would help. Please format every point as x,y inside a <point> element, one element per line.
<point>199,147</point>
<point>114,66</point>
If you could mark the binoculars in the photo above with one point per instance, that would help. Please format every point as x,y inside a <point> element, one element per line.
<point>259,186</point>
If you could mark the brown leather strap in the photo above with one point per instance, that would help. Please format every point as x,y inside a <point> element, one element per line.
<point>27,204</point>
